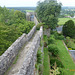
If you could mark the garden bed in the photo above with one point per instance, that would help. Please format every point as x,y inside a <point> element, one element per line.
<point>59,54</point>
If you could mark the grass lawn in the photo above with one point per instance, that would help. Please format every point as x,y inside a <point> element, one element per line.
<point>63,20</point>
<point>29,10</point>
<point>46,70</point>
<point>69,66</point>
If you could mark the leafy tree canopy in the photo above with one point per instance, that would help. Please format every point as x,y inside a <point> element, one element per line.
<point>69,29</point>
<point>12,25</point>
<point>48,12</point>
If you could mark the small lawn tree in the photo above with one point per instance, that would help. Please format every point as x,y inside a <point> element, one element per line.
<point>69,29</point>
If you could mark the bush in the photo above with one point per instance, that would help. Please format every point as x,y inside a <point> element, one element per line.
<point>52,32</point>
<point>59,63</point>
<point>51,40</point>
<point>61,37</point>
<point>69,48</point>
<point>73,48</point>
<point>58,36</point>
<point>67,40</point>
<point>39,57</point>
<point>53,49</point>
<point>55,35</point>
<point>70,43</point>
<point>69,29</point>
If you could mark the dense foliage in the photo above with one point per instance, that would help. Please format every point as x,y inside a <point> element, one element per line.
<point>48,12</point>
<point>70,43</point>
<point>69,29</point>
<point>53,49</point>
<point>51,40</point>
<point>12,25</point>
<point>58,62</point>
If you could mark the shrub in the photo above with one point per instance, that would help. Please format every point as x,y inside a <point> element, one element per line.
<point>45,38</point>
<point>73,47</point>
<point>70,43</point>
<point>52,32</point>
<point>61,37</point>
<point>69,28</point>
<point>58,36</point>
<point>53,49</point>
<point>69,48</point>
<point>39,57</point>
<point>55,35</point>
<point>59,63</point>
<point>51,40</point>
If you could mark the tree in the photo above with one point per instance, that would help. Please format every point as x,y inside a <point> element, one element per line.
<point>48,12</point>
<point>69,29</point>
<point>12,25</point>
<point>72,14</point>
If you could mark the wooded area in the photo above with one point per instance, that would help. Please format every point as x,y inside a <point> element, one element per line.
<point>12,25</point>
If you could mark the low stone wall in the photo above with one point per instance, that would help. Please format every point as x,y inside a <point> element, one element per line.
<point>29,62</point>
<point>72,53</point>
<point>7,58</point>
<point>30,34</point>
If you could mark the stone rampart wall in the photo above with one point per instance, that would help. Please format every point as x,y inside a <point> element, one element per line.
<point>7,58</point>
<point>29,62</point>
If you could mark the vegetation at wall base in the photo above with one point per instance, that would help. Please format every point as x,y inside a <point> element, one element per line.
<point>46,66</point>
<point>70,43</point>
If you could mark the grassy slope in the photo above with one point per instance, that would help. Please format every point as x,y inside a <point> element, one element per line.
<point>65,58</point>
<point>63,20</point>
<point>46,70</point>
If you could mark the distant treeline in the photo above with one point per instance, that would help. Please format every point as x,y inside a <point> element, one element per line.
<point>67,12</point>
<point>68,7</point>
<point>22,8</point>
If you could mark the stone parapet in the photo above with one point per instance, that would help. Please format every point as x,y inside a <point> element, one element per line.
<point>8,56</point>
<point>31,56</point>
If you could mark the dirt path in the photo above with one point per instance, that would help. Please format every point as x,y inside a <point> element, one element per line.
<point>16,67</point>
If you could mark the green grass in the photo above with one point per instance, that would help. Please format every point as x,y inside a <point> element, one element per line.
<point>46,68</point>
<point>61,21</point>
<point>29,10</point>
<point>65,59</point>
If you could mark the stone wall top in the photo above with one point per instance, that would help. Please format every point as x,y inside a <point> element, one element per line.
<point>29,62</point>
<point>8,56</point>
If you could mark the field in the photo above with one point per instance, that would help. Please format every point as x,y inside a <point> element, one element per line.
<point>29,10</point>
<point>69,66</point>
<point>61,21</point>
